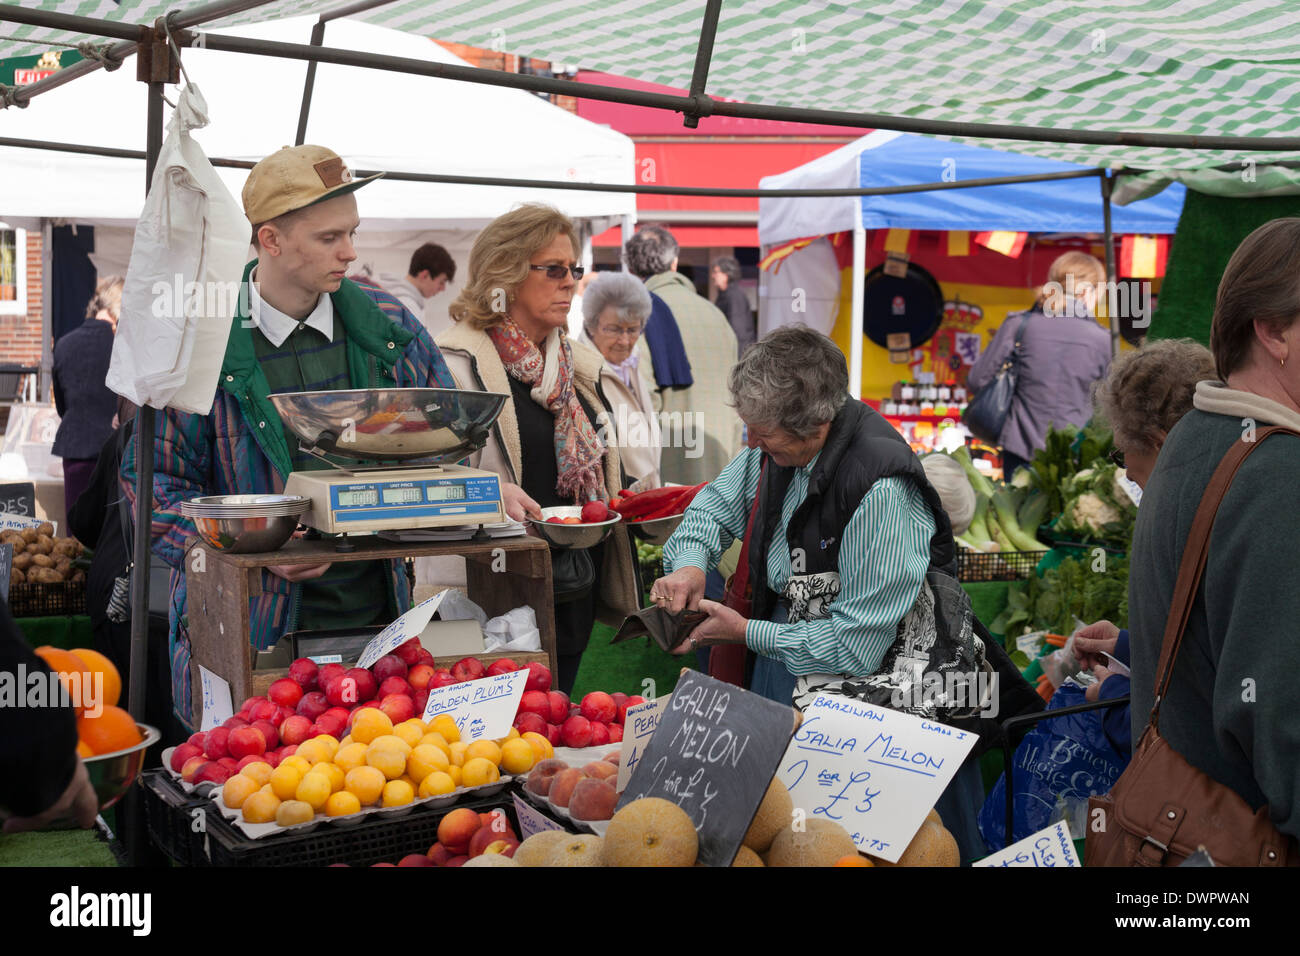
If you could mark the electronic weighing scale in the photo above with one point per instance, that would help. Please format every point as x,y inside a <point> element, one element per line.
<point>401,444</point>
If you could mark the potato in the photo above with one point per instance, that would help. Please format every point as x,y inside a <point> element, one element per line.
<point>22,561</point>
<point>48,576</point>
<point>44,544</point>
<point>42,561</point>
<point>32,572</point>
<point>46,529</point>
<point>78,576</point>
<point>16,577</point>
<point>67,546</point>
<point>29,534</point>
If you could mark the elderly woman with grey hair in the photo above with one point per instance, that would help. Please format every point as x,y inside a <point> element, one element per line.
<point>614,310</point>
<point>845,527</point>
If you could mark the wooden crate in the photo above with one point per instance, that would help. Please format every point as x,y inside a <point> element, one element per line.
<point>218,596</point>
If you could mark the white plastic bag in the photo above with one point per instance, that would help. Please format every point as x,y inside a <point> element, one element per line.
<point>513,631</point>
<point>182,285</point>
<point>456,606</point>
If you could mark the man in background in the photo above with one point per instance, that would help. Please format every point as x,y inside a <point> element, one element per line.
<point>700,429</point>
<point>431,268</point>
<point>732,301</point>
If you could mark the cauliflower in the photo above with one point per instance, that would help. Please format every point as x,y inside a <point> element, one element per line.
<point>1090,513</point>
<point>1022,479</point>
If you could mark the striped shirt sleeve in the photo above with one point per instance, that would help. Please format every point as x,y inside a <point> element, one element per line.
<point>882,564</point>
<point>717,516</point>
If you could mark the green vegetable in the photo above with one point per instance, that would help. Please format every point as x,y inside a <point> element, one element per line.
<point>1004,507</point>
<point>981,484</point>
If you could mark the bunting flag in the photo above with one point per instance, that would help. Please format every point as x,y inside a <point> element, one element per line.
<point>958,243</point>
<point>1143,257</point>
<point>903,241</point>
<point>1009,244</point>
<point>777,253</point>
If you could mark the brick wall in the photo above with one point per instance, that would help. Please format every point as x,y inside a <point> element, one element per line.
<point>20,336</point>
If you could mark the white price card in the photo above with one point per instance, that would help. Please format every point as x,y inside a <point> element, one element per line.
<point>217,707</point>
<point>13,522</point>
<point>874,771</point>
<point>483,709</point>
<point>642,719</point>
<point>1052,846</point>
<point>531,820</point>
<point>409,625</point>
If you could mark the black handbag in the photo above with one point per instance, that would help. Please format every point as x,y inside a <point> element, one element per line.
<point>987,412</point>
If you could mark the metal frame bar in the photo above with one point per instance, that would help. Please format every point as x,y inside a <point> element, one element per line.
<point>664,101</point>
<point>700,75</point>
<point>400,176</point>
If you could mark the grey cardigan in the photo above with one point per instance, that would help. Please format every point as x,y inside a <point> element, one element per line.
<point>1060,360</point>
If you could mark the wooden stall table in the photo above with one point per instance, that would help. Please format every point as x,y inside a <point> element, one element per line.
<point>218,597</point>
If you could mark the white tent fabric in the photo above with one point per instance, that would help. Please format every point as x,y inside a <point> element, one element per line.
<point>374,119</point>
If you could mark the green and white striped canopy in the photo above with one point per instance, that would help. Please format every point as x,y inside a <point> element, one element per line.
<point>1205,67</point>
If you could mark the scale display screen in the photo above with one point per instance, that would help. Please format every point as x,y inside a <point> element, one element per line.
<point>402,496</point>
<point>365,498</point>
<point>446,492</point>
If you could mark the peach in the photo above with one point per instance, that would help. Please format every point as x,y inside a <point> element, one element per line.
<point>565,783</point>
<point>593,800</point>
<point>457,828</point>
<point>543,776</point>
<point>457,861</point>
<point>439,854</point>
<point>615,757</point>
<point>600,769</point>
<point>504,847</point>
<point>481,838</point>
<point>415,859</point>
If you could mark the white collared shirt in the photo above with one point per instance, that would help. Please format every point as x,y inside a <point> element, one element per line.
<point>277,326</point>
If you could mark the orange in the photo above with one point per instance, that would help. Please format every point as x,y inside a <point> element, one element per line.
<point>99,664</point>
<point>112,730</point>
<point>73,673</point>
<point>853,859</point>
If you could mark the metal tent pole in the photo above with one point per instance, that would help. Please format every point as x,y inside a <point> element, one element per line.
<point>703,54</point>
<point>309,85</point>
<point>1112,301</point>
<point>856,307</point>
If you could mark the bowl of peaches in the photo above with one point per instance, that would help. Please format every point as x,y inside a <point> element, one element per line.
<point>573,526</point>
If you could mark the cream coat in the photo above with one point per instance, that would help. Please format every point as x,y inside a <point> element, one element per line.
<point>473,361</point>
<point>633,422</point>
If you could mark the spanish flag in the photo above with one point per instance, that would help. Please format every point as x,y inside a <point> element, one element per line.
<point>903,241</point>
<point>778,253</point>
<point>1010,244</point>
<point>958,243</point>
<point>1143,257</point>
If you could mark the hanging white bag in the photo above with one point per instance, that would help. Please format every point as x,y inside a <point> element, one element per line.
<point>183,281</point>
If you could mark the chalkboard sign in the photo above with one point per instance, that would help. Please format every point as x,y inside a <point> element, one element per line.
<point>6,565</point>
<point>714,752</point>
<point>18,498</point>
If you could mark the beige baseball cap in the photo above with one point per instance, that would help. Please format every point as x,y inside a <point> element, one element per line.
<point>296,177</point>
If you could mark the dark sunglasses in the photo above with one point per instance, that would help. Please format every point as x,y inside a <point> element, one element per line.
<point>557,272</point>
<point>1116,458</point>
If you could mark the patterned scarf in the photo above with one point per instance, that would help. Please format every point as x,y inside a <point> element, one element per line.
<point>578,449</point>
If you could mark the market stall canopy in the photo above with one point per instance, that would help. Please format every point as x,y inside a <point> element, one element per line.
<point>374,119</point>
<point>884,158</point>
<point>1205,67</point>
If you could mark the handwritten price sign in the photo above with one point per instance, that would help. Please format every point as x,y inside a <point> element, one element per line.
<point>1047,848</point>
<point>876,772</point>
<point>482,709</point>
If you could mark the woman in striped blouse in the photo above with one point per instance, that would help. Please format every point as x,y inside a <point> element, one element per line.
<point>845,529</point>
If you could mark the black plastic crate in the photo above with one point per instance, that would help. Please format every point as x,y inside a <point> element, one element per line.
<point>169,815</point>
<point>47,600</point>
<point>379,838</point>
<point>973,566</point>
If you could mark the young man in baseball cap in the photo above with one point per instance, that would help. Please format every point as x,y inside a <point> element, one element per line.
<point>301,325</point>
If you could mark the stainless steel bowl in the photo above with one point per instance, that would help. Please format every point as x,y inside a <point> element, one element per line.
<point>246,524</point>
<point>392,424</point>
<point>113,773</point>
<point>578,536</point>
<point>656,530</point>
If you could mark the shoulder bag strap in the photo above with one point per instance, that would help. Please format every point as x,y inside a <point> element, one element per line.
<point>1013,359</point>
<point>739,584</point>
<point>1195,552</point>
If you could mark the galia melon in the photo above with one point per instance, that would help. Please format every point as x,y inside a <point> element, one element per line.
<point>651,832</point>
<point>537,849</point>
<point>818,843</point>
<point>932,846</point>
<point>581,850</point>
<point>747,857</point>
<point>773,814</point>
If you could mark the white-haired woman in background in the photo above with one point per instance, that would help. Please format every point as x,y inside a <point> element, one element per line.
<point>614,309</point>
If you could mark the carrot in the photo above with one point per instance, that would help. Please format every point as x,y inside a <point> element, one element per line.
<point>1056,640</point>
